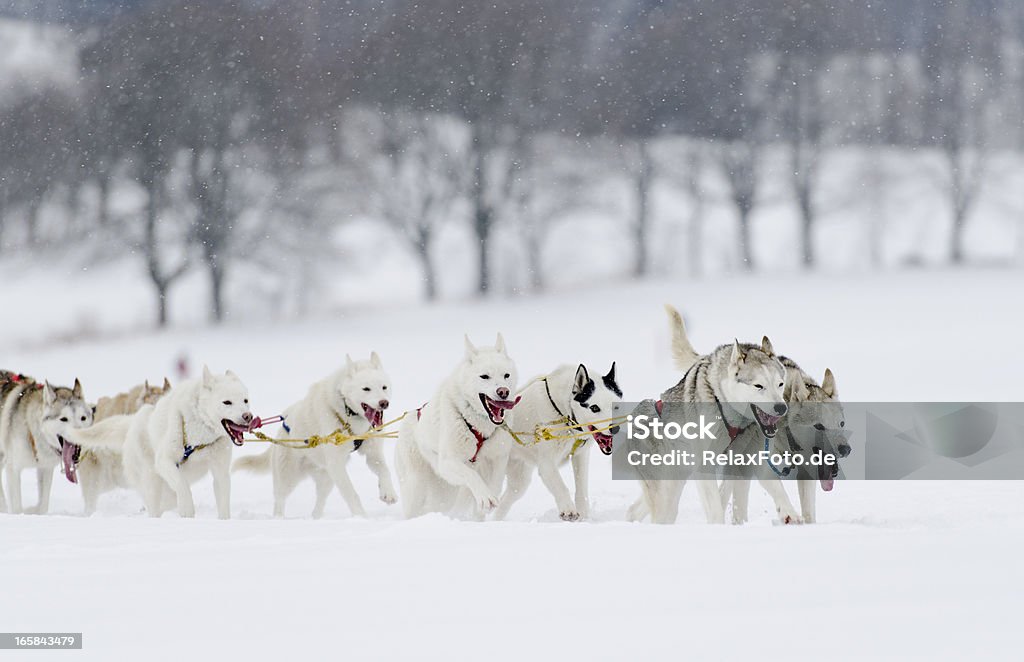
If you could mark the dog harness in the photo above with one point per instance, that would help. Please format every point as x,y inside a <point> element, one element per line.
<point>579,441</point>
<point>480,438</point>
<point>346,428</point>
<point>187,448</point>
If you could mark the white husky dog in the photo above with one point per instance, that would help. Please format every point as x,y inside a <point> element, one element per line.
<point>35,423</point>
<point>566,397</point>
<point>353,400</point>
<point>454,448</point>
<point>101,470</point>
<point>747,384</point>
<point>170,445</point>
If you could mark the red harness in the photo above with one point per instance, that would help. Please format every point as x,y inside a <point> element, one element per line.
<point>480,438</point>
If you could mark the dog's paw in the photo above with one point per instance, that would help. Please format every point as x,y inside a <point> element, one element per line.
<point>789,517</point>
<point>389,498</point>
<point>569,515</point>
<point>486,502</point>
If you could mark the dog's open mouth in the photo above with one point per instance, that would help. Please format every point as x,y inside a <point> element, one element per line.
<point>496,408</point>
<point>374,416</point>
<point>235,430</point>
<point>826,472</point>
<point>69,454</point>
<point>768,423</point>
<point>604,440</point>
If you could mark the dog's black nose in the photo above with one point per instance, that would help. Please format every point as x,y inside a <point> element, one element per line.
<point>844,450</point>
<point>780,409</point>
<point>614,430</point>
<point>383,404</point>
<point>247,417</point>
<point>503,393</point>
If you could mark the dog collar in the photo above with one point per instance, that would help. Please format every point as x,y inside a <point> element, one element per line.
<point>570,418</point>
<point>187,449</point>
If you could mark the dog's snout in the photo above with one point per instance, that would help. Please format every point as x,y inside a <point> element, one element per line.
<point>780,409</point>
<point>844,450</point>
<point>383,404</point>
<point>503,393</point>
<point>614,430</point>
<point>247,417</point>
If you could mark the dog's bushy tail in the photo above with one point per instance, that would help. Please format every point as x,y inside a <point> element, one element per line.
<point>108,434</point>
<point>259,464</point>
<point>683,353</point>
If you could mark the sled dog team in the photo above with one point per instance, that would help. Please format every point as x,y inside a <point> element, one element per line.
<point>459,453</point>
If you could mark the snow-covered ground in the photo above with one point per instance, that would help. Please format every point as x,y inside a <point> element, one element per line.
<point>922,570</point>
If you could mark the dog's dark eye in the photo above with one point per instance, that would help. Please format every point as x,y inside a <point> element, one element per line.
<point>366,388</point>
<point>385,387</point>
<point>507,375</point>
<point>246,401</point>
<point>485,376</point>
<point>83,419</point>
<point>842,424</point>
<point>595,408</point>
<point>227,402</point>
<point>63,419</point>
<point>819,426</point>
<point>781,384</point>
<point>758,387</point>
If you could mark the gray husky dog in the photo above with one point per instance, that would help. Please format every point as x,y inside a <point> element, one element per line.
<point>746,382</point>
<point>34,422</point>
<point>815,423</point>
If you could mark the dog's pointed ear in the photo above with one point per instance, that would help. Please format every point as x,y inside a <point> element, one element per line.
<point>167,384</point>
<point>470,347</point>
<point>145,386</point>
<point>77,389</point>
<point>207,375</point>
<point>610,383</point>
<point>375,360</point>
<point>737,353</point>
<point>499,344</point>
<point>581,380</point>
<point>766,346</point>
<point>231,374</point>
<point>349,363</point>
<point>828,384</point>
<point>610,377</point>
<point>796,390</point>
<point>49,395</point>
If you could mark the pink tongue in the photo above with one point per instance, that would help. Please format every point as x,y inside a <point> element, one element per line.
<point>827,484</point>
<point>67,454</point>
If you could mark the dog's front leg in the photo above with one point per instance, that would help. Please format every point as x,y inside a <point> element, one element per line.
<point>739,491</point>
<point>336,470</point>
<point>455,472</point>
<point>710,498</point>
<point>808,491</point>
<point>14,488</point>
<point>563,500</point>
<point>374,452</point>
<point>221,472</point>
<point>168,470</point>
<point>783,506</point>
<point>45,479</point>
<point>581,480</point>
<point>3,496</point>
<point>518,479</point>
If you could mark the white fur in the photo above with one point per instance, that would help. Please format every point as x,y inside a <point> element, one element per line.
<point>434,451</point>
<point>342,395</point>
<point>537,409</point>
<point>153,447</point>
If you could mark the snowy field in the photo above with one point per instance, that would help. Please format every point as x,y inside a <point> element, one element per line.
<point>893,570</point>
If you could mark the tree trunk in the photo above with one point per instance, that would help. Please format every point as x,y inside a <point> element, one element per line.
<point>33,223</point>
<point>746,253</point>
<point>216,271</point>
<point>429,274</point>
<point>695,227</point>
<point>103,204</point>
<point>806,227</point>
<point>957,237</point>
<point>483,215</point>
<point>160,284</point>
<point>161,304</point>
<point>642,187</point>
